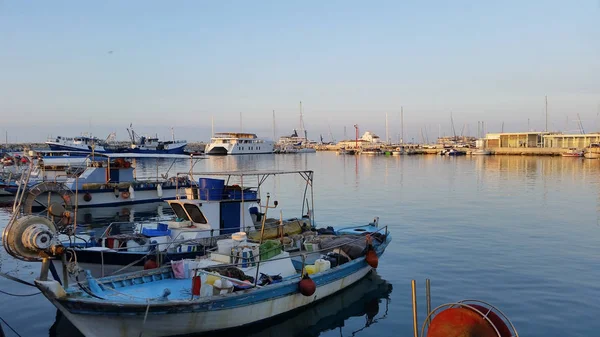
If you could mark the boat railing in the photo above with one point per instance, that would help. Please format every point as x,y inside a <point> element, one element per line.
<point>302,255</point>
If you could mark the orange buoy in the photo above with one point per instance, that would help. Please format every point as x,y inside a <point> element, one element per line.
<point>307,286</point>
<point>371,257</point>
<point>460,322</point>
<point>496,320</point>
<point>150,264</point>
<point>125,195</point>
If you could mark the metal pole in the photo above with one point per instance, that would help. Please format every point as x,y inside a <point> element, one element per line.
<point>45,267</point>
<point>262,233</point>
<point>64,271</point>
<point>414,308</point>
<point>428,296</point>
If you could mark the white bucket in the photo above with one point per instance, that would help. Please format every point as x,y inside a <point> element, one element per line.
<point>133,246</point>
<point>161,242</point>
<point>225,246</point>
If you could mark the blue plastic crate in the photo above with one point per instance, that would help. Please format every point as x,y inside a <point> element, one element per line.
<point>237,195</point>
<point>155,232</point>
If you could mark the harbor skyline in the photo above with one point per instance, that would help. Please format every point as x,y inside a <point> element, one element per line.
<point>97,68</point>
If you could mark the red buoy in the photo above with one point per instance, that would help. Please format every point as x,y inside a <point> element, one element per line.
<point>496,320</point>
<point>150,264</point>
<point>463,322</point>
<point>196,283</point>
<point>371,257</point>
<point>307,286</point>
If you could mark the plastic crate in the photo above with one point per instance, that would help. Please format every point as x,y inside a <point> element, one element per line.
<point>269,249</point>
<point>155,232</point>
<point>311,247</point>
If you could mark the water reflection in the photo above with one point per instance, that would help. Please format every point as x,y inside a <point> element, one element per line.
<point>368,300</point>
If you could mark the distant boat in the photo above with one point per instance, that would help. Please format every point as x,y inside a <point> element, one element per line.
<point>572,152</point>
<point>481,152</point>
<point>371,152</point>
<point>592,151</point>
<point>398,151</point>
<point>138,144</point>
<point>224,143</point>
<point>455,152</point>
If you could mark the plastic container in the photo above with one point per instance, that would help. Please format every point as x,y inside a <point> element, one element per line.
<point>247,195</point>
<point>270,249</point>
<point>225,246</point>
<point>311,269</point>
<point>239,237</point>
<point>211,189</point>
<point>155,232</point>
<point>311,246</point>
<point>133,246</point>
<point>162,227</point>
<point>322,265</point>
<point>161,241</point>
<point>210,279</point>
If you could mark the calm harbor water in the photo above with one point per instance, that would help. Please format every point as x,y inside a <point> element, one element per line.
<point>519,232</point>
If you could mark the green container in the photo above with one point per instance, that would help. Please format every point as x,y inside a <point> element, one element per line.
<point>269,249</point>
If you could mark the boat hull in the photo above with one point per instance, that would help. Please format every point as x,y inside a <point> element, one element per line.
<point>163,323</point>
<point>101,318</point>
<point>108,197</point>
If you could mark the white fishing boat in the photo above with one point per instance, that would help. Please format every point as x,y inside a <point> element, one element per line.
<point>398,151</point>
<point>81,143</point>
<point>212,293</point>
<point>481,152</point>
<point>106,180</point>
<point>592,151</point>
<point>137,144</point>
<point>224,143</point>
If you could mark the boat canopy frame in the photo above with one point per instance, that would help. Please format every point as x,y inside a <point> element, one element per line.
<point>261,177</point>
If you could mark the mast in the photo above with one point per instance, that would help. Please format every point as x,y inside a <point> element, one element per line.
<point>401,125</point>
<point>452,123</point>
<point>546,113</point>
<point>274,126</point>
<point>302,131</point>
<point>387,130</point>
<point>241,127</point>
<point>212,126</point>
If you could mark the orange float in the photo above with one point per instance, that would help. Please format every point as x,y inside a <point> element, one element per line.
<point>467,322</point>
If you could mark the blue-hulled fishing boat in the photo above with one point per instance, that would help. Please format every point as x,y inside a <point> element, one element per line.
<point>246,279</point>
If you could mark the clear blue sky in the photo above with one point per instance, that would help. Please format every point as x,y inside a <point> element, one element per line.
<point>177,63</point>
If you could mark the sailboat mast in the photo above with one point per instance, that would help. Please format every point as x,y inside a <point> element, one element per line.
<point>302,131</point>
<point>241,127</point>
<point>401,125</point>
<point>387,130</point>
<point>274,137</point>
<point>212,126</point>
<point>546,113</point>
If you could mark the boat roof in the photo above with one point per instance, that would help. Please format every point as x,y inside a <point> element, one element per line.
<point>248,173</point>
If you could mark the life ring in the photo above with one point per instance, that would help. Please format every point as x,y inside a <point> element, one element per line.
<point>87,197</point>
<point>125,195</point>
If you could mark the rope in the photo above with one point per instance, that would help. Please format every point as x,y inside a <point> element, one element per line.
<point>145,317</point>
<point>12,278</point>
<point>10,327</point>
<point>19,295</point>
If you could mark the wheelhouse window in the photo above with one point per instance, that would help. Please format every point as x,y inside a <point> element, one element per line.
<point>195,213</point>
<point>179,212</point>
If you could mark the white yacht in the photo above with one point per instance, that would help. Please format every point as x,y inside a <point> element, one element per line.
<point>223,143</point>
